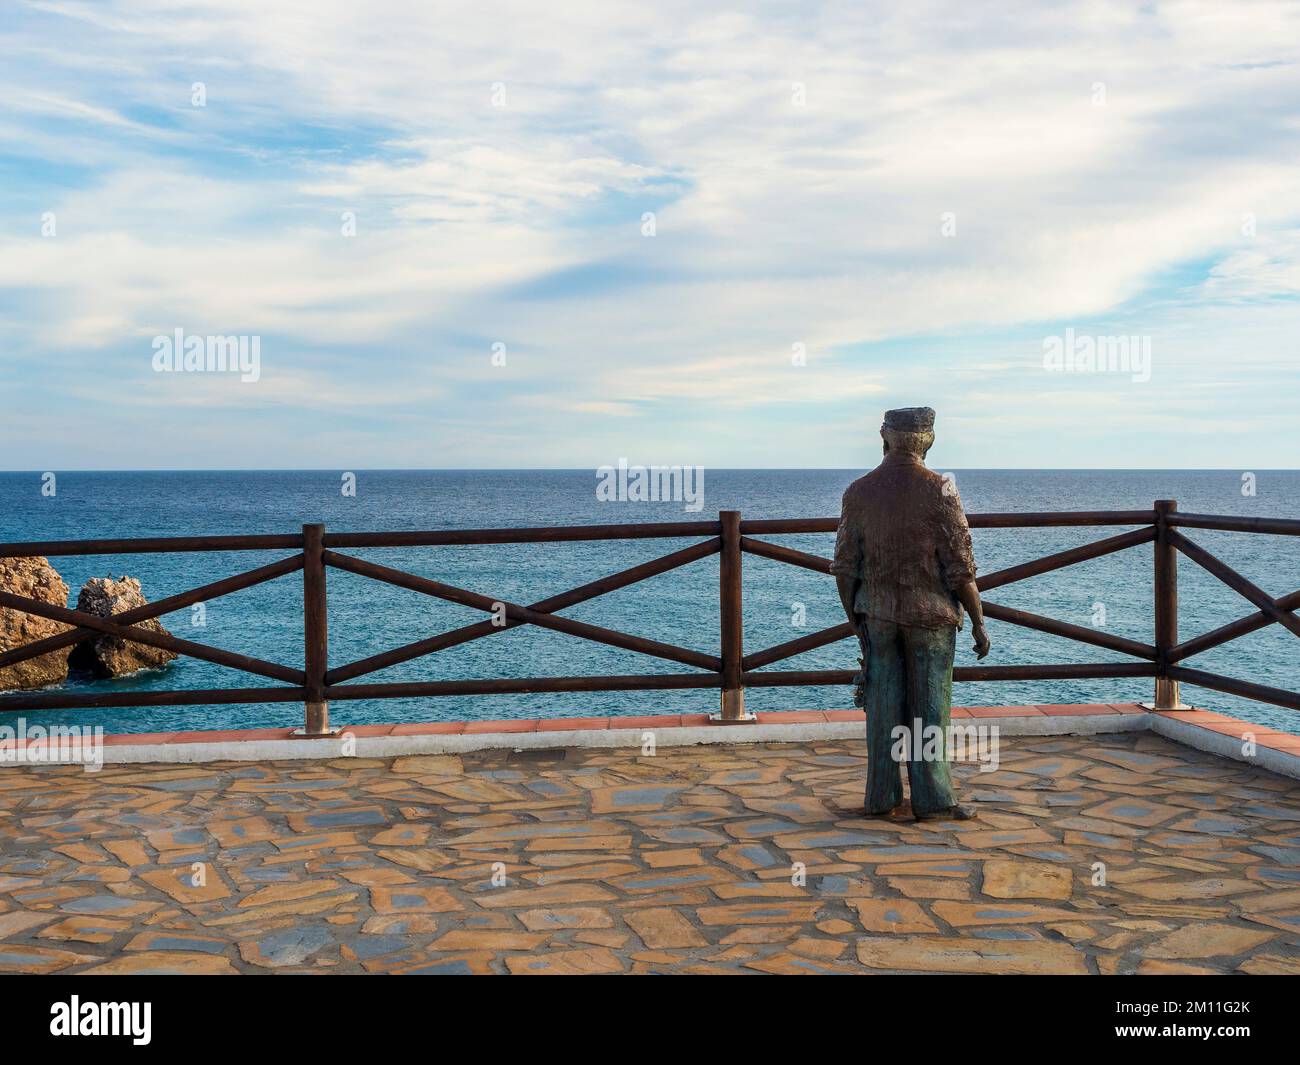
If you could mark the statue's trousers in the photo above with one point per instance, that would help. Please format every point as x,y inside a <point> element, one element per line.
<point>909,680</point>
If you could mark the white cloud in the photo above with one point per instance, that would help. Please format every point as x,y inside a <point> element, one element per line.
<point>799,165</point>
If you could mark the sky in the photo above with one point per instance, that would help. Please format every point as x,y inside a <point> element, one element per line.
<point>557,235</point>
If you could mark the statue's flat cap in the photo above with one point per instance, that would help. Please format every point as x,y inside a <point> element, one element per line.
<point>910,419</point>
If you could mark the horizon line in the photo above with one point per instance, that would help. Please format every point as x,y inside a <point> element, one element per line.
<point>588,469</point>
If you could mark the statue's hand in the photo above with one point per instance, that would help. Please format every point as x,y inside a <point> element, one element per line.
<point>981,637</point>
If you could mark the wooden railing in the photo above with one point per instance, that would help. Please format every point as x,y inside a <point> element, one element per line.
<point>731,670</point>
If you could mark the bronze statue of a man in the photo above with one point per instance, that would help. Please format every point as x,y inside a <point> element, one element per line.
<point>904,568</point>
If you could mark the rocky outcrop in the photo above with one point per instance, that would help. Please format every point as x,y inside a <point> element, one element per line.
<point>111,656</point>
<point>33,578</point>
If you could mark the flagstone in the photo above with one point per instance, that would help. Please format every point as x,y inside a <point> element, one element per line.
<point>466,964</point>
<point>591,843</point>
<point>789,963</point>
<point>297,907</point>
<point>16,958</point>
<point>927,888</point>
<point>297,848</point>
<point>180,885</point>
<point>774,912</point>
<point>965,954</point>
<point>109,905</point>
<point>85,929</point>
<point>1204,940</point>
<point>164,963</point>
<point>413,898</point>
<point>288,892</point>
<point>541,897</point>
<point>661,927</point>
<point>995,913</point>
<point>960,870</point>
<point>468,939</point>
<point>1133,811</point>
<point>400,924</point>
<point>427,765</point>
<point>417,858</point>
<point>781,889</point>
<point>1270,965</point>
<point>1287,922</point>
<point>671,879</point>
<point>1025,880</point>
<point>239,832</point>
<point>18,921</point>
<point>670,858</point>
<point>1179,890</point>
<point>613,940</point>
<point>373,875</point>
<point>184,941</point>
<point>1157,967</point>
<point>407,835</point>
<point>552,919</point>
<point>598,871</point>
<point>586,961</point>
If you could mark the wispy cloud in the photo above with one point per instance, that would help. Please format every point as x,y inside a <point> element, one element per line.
<point>521,233</point>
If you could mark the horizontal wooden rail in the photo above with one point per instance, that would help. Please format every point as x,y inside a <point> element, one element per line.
<point>153,545</point>
<point>1007,520</point>
<point>1062,671</point>
<point>1233,523</point>
<point>1247,689</point>
<point>524,685</point>
<point>541,535</point>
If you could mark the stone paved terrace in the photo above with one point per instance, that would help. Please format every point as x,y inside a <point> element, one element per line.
<point>680,863</point>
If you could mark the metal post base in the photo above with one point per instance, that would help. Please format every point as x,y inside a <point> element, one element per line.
<point>1169,696</point>
<point>733,709</point>
<point>317,723</point>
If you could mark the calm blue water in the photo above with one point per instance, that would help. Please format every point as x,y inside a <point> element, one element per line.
<point>679,607</point>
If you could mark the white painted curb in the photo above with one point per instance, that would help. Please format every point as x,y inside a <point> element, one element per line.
<point>671,736</point>
<point>1203,739</point>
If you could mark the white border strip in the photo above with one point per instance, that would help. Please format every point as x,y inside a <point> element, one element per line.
<point>669,736</point>
<point>1204,739</point>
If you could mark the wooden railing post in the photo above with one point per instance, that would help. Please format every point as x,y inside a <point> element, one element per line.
<point>733,629</point>
<point>315,631</point>
<point>1167,695</point>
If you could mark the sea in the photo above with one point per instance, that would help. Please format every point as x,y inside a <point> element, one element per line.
<point>781,602</point>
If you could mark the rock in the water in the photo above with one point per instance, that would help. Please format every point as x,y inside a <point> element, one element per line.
<point>33,578</point>
<point>111,656</point>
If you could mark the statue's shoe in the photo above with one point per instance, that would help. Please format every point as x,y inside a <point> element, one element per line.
<point>956,812</point>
